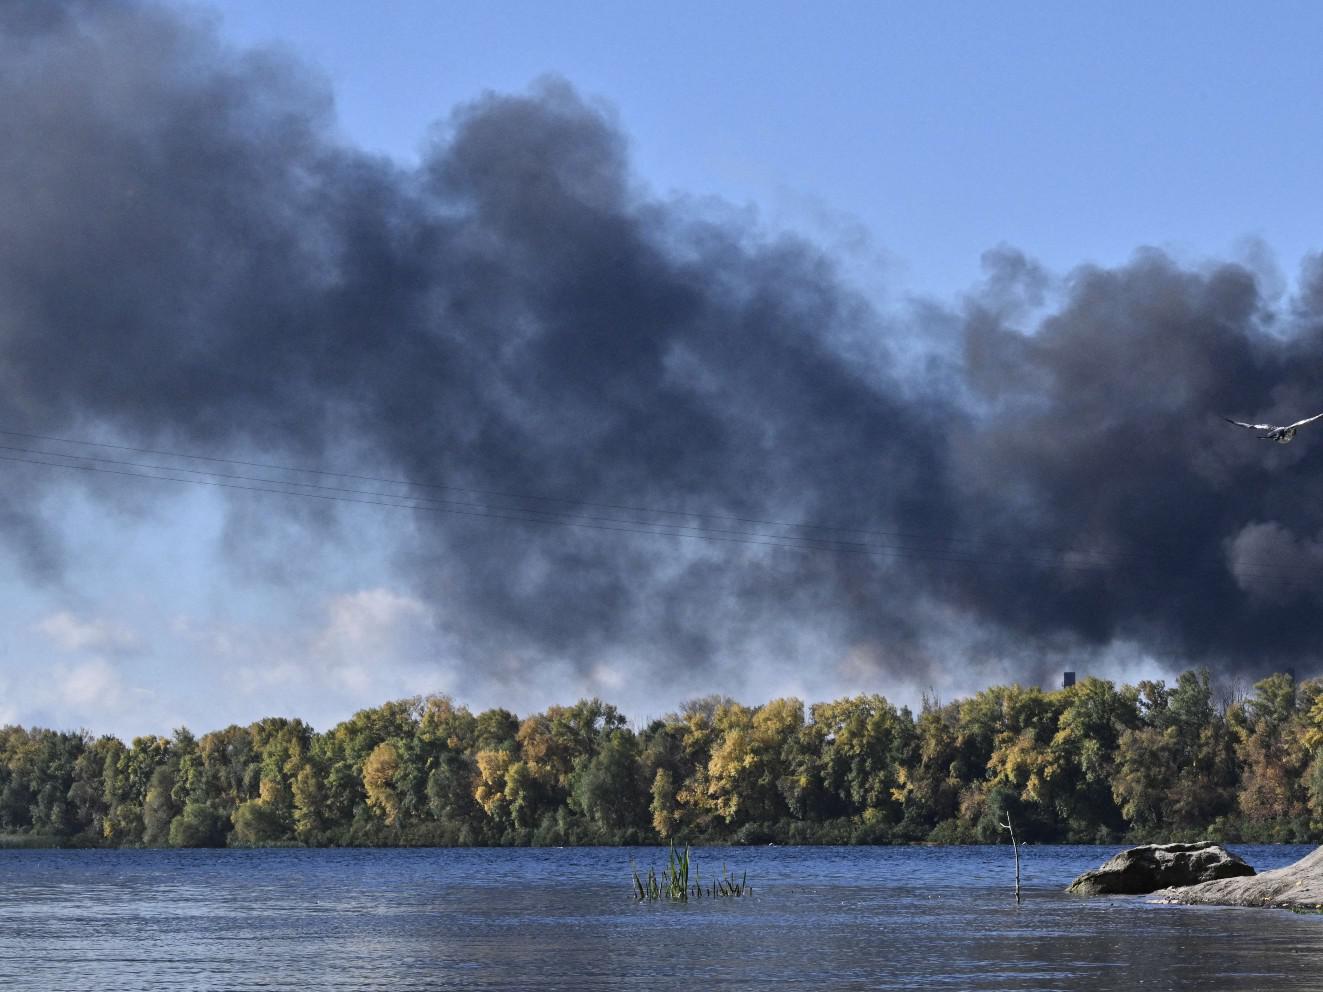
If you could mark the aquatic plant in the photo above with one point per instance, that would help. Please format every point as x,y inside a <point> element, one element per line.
<point>674,885</point>
<point>726,885</point>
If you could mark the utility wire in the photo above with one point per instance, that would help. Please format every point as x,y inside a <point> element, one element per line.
<point>425,502</point>
<point>531,515</point>
<point>662,531</point>
<point>978,544</point>
<point>1090,558</point>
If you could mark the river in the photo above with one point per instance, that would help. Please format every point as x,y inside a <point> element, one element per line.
<point>818,918</point>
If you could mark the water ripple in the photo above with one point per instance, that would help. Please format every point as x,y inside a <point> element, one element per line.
<point>820,918</point>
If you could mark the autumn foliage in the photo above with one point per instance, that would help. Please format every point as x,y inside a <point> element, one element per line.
<point>1092,762</point>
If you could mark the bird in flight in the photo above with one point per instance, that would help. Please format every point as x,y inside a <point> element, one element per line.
<point>1282,435</point>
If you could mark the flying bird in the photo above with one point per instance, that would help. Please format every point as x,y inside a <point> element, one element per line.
<point>1282,435</point>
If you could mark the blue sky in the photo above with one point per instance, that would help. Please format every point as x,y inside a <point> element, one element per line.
<point>927,132</point>
<point>906,139</point>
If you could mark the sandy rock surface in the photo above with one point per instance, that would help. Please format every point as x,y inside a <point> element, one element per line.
<point>1297,886</point>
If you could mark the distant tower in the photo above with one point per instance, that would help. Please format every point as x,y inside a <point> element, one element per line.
<point>1067,679</point>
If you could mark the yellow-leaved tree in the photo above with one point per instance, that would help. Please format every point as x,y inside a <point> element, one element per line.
<point>379,771</point>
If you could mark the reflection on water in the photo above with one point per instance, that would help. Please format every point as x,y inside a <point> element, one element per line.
<point>820,918</point>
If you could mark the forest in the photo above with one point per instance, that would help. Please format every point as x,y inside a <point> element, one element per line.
<point>1090,763</point>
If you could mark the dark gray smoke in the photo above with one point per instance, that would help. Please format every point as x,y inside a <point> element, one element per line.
<point>189,259</point>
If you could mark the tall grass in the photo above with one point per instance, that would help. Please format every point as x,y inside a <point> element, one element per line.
<point>674,884</point>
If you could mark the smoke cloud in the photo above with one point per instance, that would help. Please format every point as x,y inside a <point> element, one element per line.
<point>190,259</point>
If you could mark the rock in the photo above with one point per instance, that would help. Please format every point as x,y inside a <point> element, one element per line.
<point>1160,866</point>
<point>1297,886</point>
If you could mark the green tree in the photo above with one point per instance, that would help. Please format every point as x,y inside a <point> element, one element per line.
<point>608,789</point>
<point>87,794</point>
<point>1273,795</point>
<point>159,807</point>
<point>664,809</point>
<point>928,779</point>
<point>198,825</point>
<point>861,743</point>
<point>308,799</point>
<point>255,823</point>
<point>1083,755</point>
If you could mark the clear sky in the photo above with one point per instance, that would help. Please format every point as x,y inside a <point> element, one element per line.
<point>905,139</point>
<point>1075,132</point>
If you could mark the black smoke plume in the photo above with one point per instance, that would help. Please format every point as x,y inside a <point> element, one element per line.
<point>190,259</point>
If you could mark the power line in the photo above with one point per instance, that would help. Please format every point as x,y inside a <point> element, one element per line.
<point>1081,558</point>
<point>663,530</point>
<point>518,515</point>
<point>532,515</point>
<point>426,502</point>
<point>978,543</point>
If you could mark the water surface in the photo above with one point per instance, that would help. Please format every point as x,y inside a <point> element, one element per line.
<point>819,918</point>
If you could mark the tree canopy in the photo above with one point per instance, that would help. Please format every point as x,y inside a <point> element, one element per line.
<point>1091,762</point>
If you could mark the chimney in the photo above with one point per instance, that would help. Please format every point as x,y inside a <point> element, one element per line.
<point>1067,679</point>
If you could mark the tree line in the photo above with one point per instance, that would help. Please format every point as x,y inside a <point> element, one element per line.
<point>1088,763</point>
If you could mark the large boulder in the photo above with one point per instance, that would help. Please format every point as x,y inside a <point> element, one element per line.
<point>1159,866</point>
<point>1297,886</point>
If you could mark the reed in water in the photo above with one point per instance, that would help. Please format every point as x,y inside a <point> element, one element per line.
<point>674,884</point>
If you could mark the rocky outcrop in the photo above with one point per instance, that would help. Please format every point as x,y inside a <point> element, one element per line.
<point>1297,886</point>
<point>1160,866</point>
